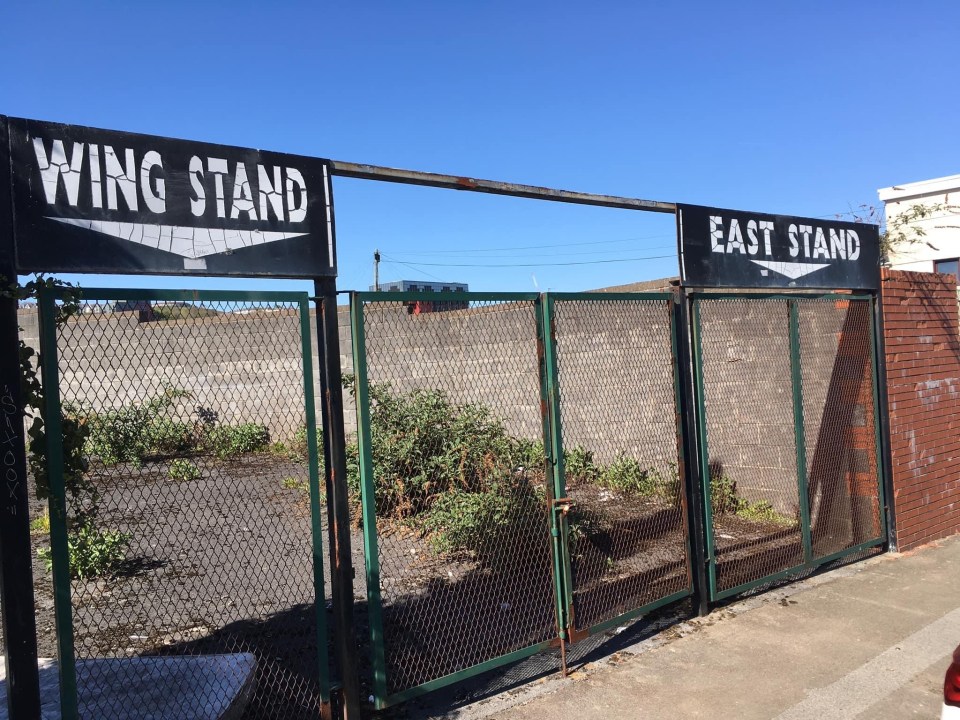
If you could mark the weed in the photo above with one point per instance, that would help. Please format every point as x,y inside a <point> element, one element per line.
<point>292,483</point>
<point>40,525</point>
<point>183,470</point>
<point>763,511</point>
<point>724,500</point>
<point>627,475</point>
<point>93,552</point>
<point>131,433</point>
<point>578,465</point>
<point>227,441</point>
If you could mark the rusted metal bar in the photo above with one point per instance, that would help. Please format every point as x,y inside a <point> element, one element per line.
<point>495,187</point>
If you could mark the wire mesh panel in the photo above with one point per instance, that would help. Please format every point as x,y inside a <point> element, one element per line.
<point>194,529</point>
<point>618,418</point>
<point>839,423</point>
<point>454,490</point>
<point>749,438</point>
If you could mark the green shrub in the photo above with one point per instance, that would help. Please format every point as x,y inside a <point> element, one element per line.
<point>93,552</point>
<point>131,433</point>
<point>423,446</point>
<point>724,499</point>
<point>723,495</point>
<point>226,441</point>
<point>578,465</point>
<point>762,511</point>
<point>627,475</point>
<point>40,525</point>
<point>485,523</point>
<point>183,470</point>
<point>292,483</point>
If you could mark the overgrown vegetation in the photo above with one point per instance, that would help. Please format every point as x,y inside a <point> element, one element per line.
<point>139,431</point>
<point>453,472</point>
<point>725,500</point>
<point>906,227</point>
<point>182,470</point>
<point>93,551</point>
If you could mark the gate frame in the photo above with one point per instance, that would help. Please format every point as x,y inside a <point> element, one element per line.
<point>381,697</point>
<point>694,297</point>
<point>554,480</point>
<point>57,503</point>
<point>553,381</point>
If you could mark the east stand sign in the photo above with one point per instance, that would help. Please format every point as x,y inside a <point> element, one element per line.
<point>734,248</point>
<point>99,201</point>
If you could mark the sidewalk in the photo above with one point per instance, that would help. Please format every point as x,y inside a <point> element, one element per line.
<point>872,640</point>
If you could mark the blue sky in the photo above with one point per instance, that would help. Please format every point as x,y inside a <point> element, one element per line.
<point>804,110</point>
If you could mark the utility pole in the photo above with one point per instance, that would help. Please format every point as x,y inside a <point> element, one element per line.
<point>376,270</point>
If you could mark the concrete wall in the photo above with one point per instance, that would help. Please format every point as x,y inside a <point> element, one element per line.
<point>615,364</point>
<point>923,382</point>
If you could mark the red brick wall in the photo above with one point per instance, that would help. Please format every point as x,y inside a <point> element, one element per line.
<point>923,383</point>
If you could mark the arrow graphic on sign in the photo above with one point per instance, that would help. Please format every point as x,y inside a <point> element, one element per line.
<point>791,270</point>
<point>183,240</point>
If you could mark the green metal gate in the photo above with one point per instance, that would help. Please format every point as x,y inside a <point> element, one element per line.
<point>788,433</point>
<point>516,473</point>
<point>192,417</point>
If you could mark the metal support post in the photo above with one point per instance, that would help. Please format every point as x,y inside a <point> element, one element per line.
<point>338,508</point>
<point>16,571</point>
<point>693,482</point>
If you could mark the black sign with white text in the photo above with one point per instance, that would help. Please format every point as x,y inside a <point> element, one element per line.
<point>99,201</point>
<point>733,248</point>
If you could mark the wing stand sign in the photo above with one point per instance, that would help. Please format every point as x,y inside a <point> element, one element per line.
<point>734,248</point>
<point>99,201</point>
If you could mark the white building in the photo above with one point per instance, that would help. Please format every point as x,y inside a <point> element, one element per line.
<point>937,247</point>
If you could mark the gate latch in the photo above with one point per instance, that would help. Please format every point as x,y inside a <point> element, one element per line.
<point>563,505</point>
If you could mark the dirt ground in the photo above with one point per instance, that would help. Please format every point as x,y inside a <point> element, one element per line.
<point>224,563</point>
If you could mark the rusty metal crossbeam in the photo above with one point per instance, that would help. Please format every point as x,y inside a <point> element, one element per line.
<point>495,187</point>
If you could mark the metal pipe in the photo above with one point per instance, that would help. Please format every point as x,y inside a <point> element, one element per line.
<point>338,510</point>
<point>495,187</point>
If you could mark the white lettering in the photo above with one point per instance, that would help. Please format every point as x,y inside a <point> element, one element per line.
<point>853,245</point>
<point>56,167</point>
<point>794,245</point>
<point>766,227</point>
<point>242,201</point>
<point>716,233</point>
<point>270,191</point>
<point>820,248</point>
<point>199,203</point>
<point>838,244</point>
<point>155,201</point>
<point>120,177</point>
<point>296,184</point>
<point>218,166</point>
<point>806,231</point>
<point>735,237</point>
<point>753,244</point>
<point>96,187</point>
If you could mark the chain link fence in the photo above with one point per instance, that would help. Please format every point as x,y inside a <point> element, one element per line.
<point>451,459</point>
<point>616,373</point>
<point>194,526</point>
<point>840,425</point>
<point>788,433</point>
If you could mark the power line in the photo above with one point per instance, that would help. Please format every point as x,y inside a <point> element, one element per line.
<point>543,247</point>
<point>535,255</point>
<point>520,265</point>
<point>398,262</point>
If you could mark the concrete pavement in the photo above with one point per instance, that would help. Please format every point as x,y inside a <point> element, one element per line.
<point>871,640</point>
